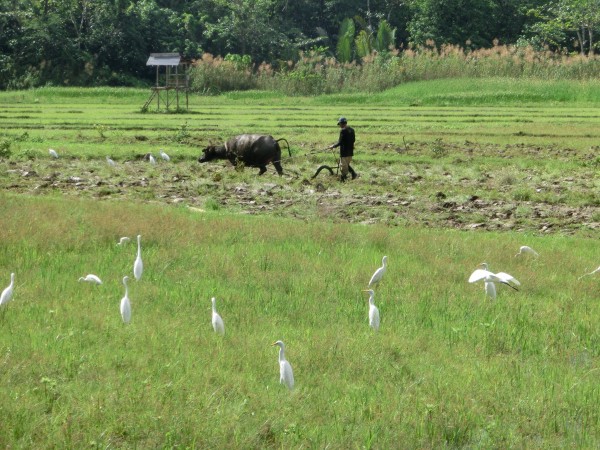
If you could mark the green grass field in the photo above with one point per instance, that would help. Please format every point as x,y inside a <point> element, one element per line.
<point>448,369</point>
<point>492,111</point>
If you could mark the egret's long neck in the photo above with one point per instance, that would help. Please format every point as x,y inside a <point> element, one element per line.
<point>214,307</point>
<point>139,247</point>
<point>126,289</point>
<point>371,301</point>
<point>281,354</point>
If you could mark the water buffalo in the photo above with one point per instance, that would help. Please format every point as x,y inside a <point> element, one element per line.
<point>254,150</point>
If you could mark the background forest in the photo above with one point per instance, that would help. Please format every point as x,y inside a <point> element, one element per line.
<point>93,42</point>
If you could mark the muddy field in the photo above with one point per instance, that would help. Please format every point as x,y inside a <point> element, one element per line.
<point>491,191</point>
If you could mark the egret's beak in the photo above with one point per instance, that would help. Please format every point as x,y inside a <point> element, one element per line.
<point>274,344</point>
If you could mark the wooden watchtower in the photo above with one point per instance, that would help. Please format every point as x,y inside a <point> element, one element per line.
<point>174,80</point>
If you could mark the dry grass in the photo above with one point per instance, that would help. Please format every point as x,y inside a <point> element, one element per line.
<point>316,73</point>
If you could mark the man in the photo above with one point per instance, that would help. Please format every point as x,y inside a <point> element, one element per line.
<point>346,145</point>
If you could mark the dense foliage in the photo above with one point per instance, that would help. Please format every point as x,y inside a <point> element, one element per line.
<point>86,42</point>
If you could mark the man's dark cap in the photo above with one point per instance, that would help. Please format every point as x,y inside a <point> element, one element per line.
<point>342,120</point>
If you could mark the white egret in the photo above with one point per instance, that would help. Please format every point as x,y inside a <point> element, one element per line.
<point>138,266</point>
<point>525,249</point>
<point>151,159</point>
<point>7,293</point>
<point>110,162</point>
<point>123,240</point>
<point>91,278</point>
<point>286,374</point>
<point>378,273</point>
<point>125,305</point>
<point>490,278</point>
<point>217,321</point>
<point>373,311</point>
<point>591,273</point>
<point>164,156</point>
<point>53,153</point>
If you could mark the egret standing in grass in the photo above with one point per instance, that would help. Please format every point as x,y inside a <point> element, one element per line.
<point>376,278</point>
<point>164,156</point>
<point>125,305</point>
<point>110,162</point>
<point>373,311</point>
<point>7,293</point>
<point>490,278</point>
<point>138,265</point>
<point>53,153</point>
<point>91,278</point>
<point>151,159</point>
<point>286,374</point>
<point>525,249</point>
<point>217,321</point>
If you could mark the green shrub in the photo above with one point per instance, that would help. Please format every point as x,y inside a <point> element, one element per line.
<point>101,129</point>
<point>182,134</point>
<point>522,195</point>
<point>27,154</point>
<point>211,204</point>
<point>438,149</point>
<point>5,151</point>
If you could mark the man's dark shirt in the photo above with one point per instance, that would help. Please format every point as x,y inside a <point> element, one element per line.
<point>346,142</point>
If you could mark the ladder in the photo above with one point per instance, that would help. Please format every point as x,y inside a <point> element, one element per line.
<point>145,107</point>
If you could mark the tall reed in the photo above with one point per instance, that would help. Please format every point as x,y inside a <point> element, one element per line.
<point>316,73</point>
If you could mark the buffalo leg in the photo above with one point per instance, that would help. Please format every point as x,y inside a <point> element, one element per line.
<point>278,167</point>
<point>263,169</point>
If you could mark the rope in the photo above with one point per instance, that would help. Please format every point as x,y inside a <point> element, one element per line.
<point>306,154</point>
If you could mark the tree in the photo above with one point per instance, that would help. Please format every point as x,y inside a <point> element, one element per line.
<point>250,27</point>
<point>345,38</point>
<point>386,37</point>
<point>452,22</point>
<point>86,42</point>
<point>544,32</point>
<point>561,20</point>
<point>363,43</point>
<point>581,17</point>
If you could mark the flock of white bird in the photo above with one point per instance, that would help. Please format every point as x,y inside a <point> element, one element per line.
<point>111,162</point>
<point>286,373</point>
<point>138,268</point>
<point>163,155</point>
